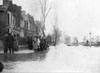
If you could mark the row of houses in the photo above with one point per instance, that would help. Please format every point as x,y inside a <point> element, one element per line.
<point>28,26</point>
<point>15,20</point>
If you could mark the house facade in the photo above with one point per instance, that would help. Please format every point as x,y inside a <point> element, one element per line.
<point>28,25</point>
<point>4,21</point>
<point>9,19</point>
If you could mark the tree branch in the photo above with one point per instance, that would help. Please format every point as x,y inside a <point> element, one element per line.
<point>48,10</point>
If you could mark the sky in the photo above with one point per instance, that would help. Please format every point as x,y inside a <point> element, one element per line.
<point>30,6</point>
<point>75,17</point>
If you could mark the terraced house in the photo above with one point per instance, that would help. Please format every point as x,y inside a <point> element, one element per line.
<point>10,15</point>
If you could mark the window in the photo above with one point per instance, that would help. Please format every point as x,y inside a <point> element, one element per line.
<point>8,19</point>
<point>1,2</point>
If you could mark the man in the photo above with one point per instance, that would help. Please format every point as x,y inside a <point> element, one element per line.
<point>43,43</point>
<point>9,44</point>
<point>16,47</point>
<point>4,43</point>
<point>30,43</point>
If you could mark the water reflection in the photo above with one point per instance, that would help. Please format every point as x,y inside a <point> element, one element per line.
<point>11,60</point>
<point>62,59</point>
<point>23,56</point>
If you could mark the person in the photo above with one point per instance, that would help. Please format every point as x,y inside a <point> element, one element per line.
<point>42,43</point>
<point>9,42</point>
<point>35,43</point>
<point>87,42</point>
<point>47,43</point>
<point>16,47</point>
<point>38,42</point>
<point>4,43</point>
<point>30,43</point>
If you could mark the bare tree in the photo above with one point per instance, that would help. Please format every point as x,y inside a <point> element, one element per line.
<point>56,31</point>
<point>56,35</point>
<point>45,7</point>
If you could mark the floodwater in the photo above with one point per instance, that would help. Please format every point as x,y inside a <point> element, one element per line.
<point>10,61</point>
<point>61,58</point>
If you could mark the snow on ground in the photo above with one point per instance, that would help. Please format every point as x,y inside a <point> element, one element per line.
<point>65,59</point>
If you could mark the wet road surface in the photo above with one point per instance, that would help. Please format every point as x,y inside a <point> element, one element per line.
<point>11,60</point>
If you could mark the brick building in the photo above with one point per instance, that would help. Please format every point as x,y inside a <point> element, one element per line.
<point>10,15</point>
<point>4,16</point>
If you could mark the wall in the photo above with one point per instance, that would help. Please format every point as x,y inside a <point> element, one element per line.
<point>3,23</point>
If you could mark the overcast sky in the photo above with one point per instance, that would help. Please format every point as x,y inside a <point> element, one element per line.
<point>76,17</point>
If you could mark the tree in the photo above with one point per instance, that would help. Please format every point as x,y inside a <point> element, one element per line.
<point>45,6</point>
<point>56,30</point>
<point>56,35</point>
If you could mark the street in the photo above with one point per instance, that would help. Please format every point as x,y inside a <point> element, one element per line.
<point>10,61</point>
<point>61,58</point>
<point>70,28</point>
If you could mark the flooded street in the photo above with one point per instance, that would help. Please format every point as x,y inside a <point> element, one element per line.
<point>20,57</point>
<point>70,28</point>
<point>58,59</point>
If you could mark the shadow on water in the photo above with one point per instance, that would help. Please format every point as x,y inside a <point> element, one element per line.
<point>23,56</point>
<point>11,60</point>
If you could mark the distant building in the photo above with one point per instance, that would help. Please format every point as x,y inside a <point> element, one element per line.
<point>22,23</point>
<point>31,26</point>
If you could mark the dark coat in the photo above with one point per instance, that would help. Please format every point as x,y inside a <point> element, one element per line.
<point>9,41</point>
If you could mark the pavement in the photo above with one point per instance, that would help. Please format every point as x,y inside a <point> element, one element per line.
<point>20,51</point>
<point>21,56</point>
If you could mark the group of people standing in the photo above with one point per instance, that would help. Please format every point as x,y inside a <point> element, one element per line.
<point>38,43</point>
<point>9,42</point>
